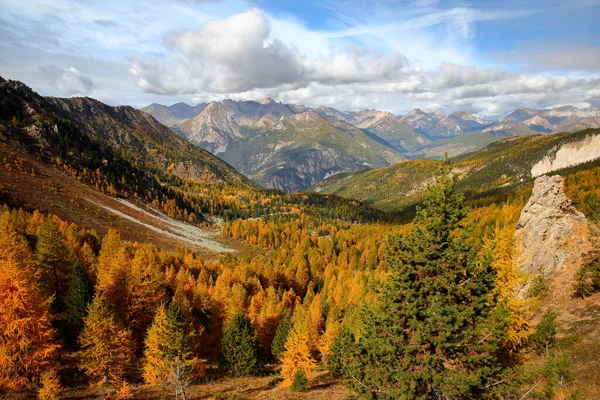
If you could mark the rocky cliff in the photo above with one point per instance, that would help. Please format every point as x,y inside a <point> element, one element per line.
<point>568,155</point>
<point>551,233</point>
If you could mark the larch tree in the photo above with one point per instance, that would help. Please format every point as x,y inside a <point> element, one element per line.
<point>106,346</point>
<point>26,335</point>
<point>437,325</point>
<point>145,289</point>
<point>332,330</point>
<point>168,356</point>
<point>509,282</point>
<point>297,356</point>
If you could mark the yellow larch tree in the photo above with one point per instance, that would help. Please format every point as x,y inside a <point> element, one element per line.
<point>315,323</point>
<point>156,367</point>
<point>297,356</point>
<point>106,346</point>
<point>509,282</point>
<point>145,289</point>
<point>332,329</point>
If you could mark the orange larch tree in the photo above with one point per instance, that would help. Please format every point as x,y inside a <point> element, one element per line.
<point>26,336</point>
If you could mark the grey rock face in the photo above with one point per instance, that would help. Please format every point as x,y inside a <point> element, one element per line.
<point>550,230</point>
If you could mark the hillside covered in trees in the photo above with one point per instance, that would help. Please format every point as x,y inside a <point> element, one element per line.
<point>325,297</point>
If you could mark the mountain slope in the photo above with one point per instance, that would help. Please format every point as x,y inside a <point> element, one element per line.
<point>278,146</point>
<point>118,150</point>
<point>498,167</point>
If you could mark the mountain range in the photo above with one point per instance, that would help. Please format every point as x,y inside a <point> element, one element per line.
<point>291,147</point>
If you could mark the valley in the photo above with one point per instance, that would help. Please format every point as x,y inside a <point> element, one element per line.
<point>109,200</point>
<point>314,200</point>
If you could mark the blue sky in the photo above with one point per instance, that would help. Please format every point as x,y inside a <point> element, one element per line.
<point>485,57</point>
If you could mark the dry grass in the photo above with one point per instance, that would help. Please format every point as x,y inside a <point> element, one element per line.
<point>323,387</point>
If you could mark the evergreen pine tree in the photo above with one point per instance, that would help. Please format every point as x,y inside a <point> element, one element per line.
<point>79,296</point>
<point>56,260</point>
<point>545,332</point>
<point>168,354</point>
<point>281,335</point>
<point>239,348</point>
<point>437,324</point>
<point>300,382</point>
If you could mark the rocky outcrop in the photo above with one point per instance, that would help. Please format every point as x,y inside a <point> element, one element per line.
<point>568,155</point>
<point>551,233</point>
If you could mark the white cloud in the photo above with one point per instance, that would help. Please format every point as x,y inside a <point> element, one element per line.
<point>68,81</point>
<point>239,54</point>
<point>422,54</point>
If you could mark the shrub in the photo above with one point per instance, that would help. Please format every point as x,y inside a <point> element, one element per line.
<point>300,382</point>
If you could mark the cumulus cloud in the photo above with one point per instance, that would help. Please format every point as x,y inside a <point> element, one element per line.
<point>239,54</point>
<point>424,54</point>
<point>68,81</point>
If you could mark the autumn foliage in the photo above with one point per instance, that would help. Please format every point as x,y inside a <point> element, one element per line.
<point>106,345</point>
<point>26,336</point>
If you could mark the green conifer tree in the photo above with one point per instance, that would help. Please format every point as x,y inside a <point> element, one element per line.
<point>545,333</point>
<point>168,355</point>
<point>281,335</point>
<point>300,383</point>
<point>56,260</point>
<point>79,296</point>
<point>239,348</point>
<point>437,325</point>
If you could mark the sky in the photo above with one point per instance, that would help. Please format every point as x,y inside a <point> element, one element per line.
<point>487,57</point>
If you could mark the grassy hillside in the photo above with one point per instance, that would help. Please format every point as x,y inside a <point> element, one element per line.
<point>498,168</point>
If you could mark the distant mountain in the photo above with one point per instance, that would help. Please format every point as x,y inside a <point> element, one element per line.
<point>252,135</point>
<point>212,129</point>
<point>559,119</point>
<point>278,146</point>
<point>284,146</point>
<point>385,125</point>
<point>173,114</point>
<point>437,125</point>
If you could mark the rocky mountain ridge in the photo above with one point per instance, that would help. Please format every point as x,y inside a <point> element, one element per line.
<point>252,136</point>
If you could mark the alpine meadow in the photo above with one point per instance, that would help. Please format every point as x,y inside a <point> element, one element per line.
<point>330,200</point>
